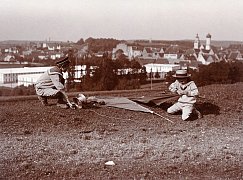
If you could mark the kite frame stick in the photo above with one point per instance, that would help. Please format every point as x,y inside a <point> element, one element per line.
<point>162,116</point>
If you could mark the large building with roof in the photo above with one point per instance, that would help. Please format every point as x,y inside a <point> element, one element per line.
<point>9,76</point>
<point>12,77</point>
<point>161,69</point>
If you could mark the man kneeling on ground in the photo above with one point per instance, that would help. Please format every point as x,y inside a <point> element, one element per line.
<point>188,91</point>
<point>51,85</point>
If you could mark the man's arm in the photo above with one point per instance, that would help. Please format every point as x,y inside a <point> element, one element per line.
<point>56,79</point>
<point>173,87</point>
<point>65,96</point>
<point>193,90</point>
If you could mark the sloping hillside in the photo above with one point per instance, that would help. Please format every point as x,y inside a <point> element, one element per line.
<point>50,143</point>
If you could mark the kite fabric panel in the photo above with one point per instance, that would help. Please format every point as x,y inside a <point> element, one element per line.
<point>159,100</point>
<point>123,103</point>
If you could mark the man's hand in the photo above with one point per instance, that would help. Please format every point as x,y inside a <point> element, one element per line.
<point>70,104</point>
<point>66,98</point>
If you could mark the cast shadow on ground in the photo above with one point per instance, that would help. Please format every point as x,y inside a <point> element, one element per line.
<point>208,108</point>
<point>205,108</point>
<point>85,106</point>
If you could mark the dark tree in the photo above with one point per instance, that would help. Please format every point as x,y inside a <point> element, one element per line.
<point>157,75</point>
<point>105,76</point>
<point>71,70</point>
<point>143,75</point>
<point>81,41</point>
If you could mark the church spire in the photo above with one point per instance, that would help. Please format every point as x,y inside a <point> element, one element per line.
<point>197,42</point>
<point>208,41</point>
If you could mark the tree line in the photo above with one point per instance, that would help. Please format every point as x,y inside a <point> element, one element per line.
<point>215,73</point>
<point>103,73</point>
<point>112,75</point>
<point>100,44</point>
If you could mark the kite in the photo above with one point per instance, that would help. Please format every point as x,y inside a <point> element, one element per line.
<point>125,103</point>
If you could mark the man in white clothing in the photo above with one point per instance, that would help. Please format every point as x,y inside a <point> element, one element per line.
<point>51,85</point>
<point>188,92</point>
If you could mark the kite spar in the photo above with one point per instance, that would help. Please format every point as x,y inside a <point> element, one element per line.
<point>162,117</point>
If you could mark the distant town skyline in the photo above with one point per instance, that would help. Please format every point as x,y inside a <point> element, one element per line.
<point>70,20</point>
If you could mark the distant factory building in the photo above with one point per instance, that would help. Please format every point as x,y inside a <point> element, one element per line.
<point>161,69</point>
<point>9,76</point>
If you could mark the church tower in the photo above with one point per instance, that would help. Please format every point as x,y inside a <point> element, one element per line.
<point>208,42</point>
<point>197,42</point>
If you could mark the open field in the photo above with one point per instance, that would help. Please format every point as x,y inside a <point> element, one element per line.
<point>50,143</point>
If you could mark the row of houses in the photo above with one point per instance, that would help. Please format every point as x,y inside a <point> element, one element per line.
<point>156,59</point>
<point>175,54</point>
<point>34,51</point>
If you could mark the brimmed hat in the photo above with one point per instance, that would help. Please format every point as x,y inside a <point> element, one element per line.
<point>63,62</point>
<point>181,73</point>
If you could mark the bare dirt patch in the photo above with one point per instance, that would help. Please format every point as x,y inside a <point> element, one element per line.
<point>50,143</point>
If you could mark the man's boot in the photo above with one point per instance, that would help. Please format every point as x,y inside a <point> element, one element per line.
<point>199,115</point>
<point>43,100</point>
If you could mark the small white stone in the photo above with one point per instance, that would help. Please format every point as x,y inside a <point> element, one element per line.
<point>110,163</point>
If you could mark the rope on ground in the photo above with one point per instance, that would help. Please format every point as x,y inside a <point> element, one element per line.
<point>162,117</point>
<point>102,115</point>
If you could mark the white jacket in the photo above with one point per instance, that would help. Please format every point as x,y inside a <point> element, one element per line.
<point>53,78</point>
<point>188,91</point>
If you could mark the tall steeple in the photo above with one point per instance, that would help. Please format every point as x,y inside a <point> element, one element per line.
<point>208,41</point>
<point>197,42</point>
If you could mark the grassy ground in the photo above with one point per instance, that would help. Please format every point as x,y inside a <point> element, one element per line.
<point>51,143</point>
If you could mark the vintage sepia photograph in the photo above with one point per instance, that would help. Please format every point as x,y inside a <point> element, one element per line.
<point>121,89</point>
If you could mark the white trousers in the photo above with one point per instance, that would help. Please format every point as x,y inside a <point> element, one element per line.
<point>48,92</point>
<point>184,107</point>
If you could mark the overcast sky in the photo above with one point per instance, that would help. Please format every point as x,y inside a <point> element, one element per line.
<point>64,20</point>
